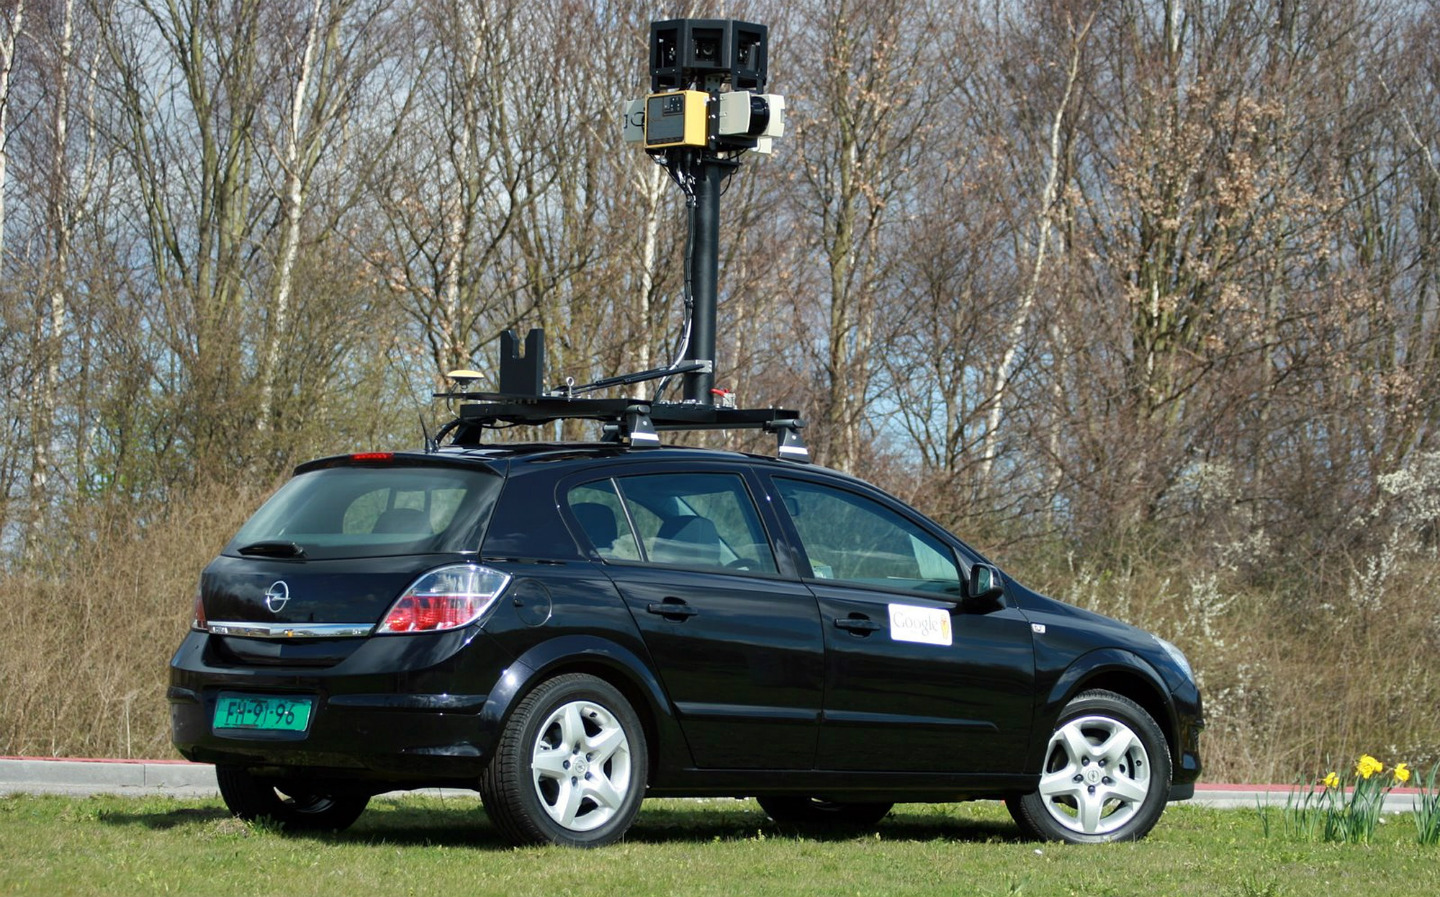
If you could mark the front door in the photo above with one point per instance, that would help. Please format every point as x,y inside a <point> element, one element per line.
<point>913,680</point>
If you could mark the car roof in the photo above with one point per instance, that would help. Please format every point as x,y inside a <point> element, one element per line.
<point>520,456</point>
<point>515,458</point>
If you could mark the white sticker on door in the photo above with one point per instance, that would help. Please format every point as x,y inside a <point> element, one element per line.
<point>926,625</point>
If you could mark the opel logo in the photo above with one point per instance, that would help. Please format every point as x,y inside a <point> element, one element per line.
<point>277,596</point>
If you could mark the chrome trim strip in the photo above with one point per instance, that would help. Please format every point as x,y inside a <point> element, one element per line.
<point>291,630</point>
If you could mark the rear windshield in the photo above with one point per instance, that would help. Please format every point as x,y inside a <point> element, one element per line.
<point>344,512</point>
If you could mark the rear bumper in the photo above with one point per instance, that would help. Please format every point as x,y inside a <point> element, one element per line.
<point>376,718</point>
<point>371,739</point>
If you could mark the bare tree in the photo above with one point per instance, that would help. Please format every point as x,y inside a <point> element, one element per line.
<point>188,84</point>
<point>871,83</point>
<point>334,51</point>
<point>62,175</point>
<point>449,195</point>
<point>1078,32</point>
<point>12,20</point>
<point>60,222</point>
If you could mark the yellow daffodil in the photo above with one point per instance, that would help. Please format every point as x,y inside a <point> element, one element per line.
<point>1368,766</point>
<point>1331,781</point>
<point>1401,773</point>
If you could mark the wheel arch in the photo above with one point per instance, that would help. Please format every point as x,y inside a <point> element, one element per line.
<point>1116,671</point>
<point>605,660</point>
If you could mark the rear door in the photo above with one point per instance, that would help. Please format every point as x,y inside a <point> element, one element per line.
<point>913,680</point>
<point>735,640</point>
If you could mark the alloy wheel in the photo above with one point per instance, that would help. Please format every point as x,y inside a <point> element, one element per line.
<point>581,765</point>
<point>1097,775</point>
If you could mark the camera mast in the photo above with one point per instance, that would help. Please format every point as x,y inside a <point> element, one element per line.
<point>705,110</point>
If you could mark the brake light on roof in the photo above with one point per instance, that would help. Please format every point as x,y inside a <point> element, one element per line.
<point>447,598</point>
<point>373,456</point>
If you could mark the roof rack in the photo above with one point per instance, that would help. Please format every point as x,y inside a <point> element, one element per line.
<point>521,400</point>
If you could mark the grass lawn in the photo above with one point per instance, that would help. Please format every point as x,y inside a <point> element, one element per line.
<point>431,845</point>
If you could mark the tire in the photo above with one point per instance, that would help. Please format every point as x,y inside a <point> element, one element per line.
<point>295,810</point>
<point>814,813</point>
<point>570,766</point>
<point>1106,775</point>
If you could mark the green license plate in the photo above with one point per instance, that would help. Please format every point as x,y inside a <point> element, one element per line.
<point>262,712</point>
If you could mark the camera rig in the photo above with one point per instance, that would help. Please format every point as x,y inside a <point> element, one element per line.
<point>704,111</point>
<point>706,108</point>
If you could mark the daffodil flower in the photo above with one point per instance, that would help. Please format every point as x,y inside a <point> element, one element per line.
<point>1331,781</point>
<point>1401,773</point>
<point>1368,766</point>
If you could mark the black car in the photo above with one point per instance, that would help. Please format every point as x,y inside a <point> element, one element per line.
<point>569,628</point>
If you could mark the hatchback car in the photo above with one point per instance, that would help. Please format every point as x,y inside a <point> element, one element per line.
<point>570,628</point>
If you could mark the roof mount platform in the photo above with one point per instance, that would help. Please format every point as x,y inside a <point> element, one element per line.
<point>625,421</point>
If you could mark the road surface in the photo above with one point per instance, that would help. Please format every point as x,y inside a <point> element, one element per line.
<point>177,778</point>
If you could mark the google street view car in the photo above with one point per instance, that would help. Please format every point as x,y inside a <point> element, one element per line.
<point>567,628</point>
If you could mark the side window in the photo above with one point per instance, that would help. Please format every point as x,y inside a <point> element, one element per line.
<point>697,520</point>
<point>850,537</point>
<point>597,507</point>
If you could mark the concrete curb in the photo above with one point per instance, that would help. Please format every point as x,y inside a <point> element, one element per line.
<point>178,778</point>
<point>1398,800</point>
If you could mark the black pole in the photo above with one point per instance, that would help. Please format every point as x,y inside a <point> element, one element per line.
<point>705,271</point>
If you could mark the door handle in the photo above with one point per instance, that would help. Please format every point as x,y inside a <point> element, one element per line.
<point>858,625</point>
<point>672,608</point>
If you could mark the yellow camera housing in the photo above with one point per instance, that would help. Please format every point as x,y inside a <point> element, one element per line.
<point>677,118</point>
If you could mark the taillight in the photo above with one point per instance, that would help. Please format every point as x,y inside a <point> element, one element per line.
<point>197,614</point>
<point>444,599</point>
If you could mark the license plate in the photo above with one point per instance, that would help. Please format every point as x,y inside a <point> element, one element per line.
<point>262,712</point>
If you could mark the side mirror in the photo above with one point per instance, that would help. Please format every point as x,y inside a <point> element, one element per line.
<point>985,585</point>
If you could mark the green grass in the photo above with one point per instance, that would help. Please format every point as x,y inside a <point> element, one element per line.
<point>429,845</point>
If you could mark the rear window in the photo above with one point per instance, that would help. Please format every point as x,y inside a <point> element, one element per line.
<point>342,512</point>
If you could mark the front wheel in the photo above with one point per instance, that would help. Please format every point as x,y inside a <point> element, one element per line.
<point>570,766</point>
<point>1106,775</point>
<point>291,807</point>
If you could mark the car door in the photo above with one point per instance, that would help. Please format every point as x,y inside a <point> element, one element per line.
<point>736,644</point>
<point>914,680</point>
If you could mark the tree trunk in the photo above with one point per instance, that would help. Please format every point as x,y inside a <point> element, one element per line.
<point>11,21</point>
<point>1043,224</point>
<point>652,186</point>
<point>50,328</point>
<point>292,202</point>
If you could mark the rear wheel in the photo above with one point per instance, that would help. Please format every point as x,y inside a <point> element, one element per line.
<point>816,813</point>
<point>1106,775</point>
<point>287,805</point>
<point>570,766</point>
